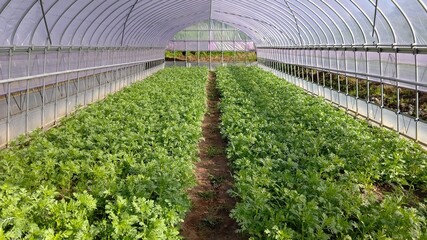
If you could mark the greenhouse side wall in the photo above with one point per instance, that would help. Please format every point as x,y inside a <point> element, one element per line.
<point>328,73</point>
<point>39,86</point>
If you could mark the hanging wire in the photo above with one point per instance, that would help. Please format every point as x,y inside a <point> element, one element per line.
<point>126,21</point>
<point>375,18</point>
<point>45,22</point>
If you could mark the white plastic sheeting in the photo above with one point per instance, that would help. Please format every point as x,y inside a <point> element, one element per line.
<point>267,22</point>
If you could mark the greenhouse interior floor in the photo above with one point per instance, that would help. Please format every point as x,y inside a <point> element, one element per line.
<point>209,217</point>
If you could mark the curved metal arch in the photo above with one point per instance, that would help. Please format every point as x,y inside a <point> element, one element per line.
<point>139,23</point>
<point>311,31</point>
<point>72,20</point>
<point>202,18</point>
<point>99,16</point>
<point>315,22</point>
<point>125,23</point>
<point>290,20</point>
<point>295,19</point>
<point>367,18</point>
<point>260,40</point>
<point>107,34</point>
<point>18,24</point>
<point>264,22</point>
<point>324,22</point>
<point>407,20</point>
<point>5,6</point>
<point>56,21</point>
<point>169,34</point>
<point>298,28</point>
<point>121,14</point>
<point>149,33</point>
<point>242,28</point>
<point>365,39</point>
<point>385,18</point>
<point>142,29</point>
<point>331,20</point>
<point>342,19</point>
<point>83,21</point>
<point>269,30</point>
<point>275,24</point>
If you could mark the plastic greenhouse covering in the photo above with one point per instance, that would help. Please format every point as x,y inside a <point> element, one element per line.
<point>211,36</point>
<point>82,44</point>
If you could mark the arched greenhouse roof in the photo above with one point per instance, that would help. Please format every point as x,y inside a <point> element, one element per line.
<point>267,22</point>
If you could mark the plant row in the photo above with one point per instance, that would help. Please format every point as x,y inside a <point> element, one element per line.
<point>307,170</point>
<point>118,169</point>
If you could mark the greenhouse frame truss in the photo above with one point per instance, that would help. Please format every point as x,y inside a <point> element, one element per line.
<point>56,55</point>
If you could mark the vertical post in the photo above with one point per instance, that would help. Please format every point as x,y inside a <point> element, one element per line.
<point>95,75</point>
<point>198,44</point>
<point>346,80</point>
<point>27,93</point>
<point>330,76</point>
<point>398,92</point>
<point>382,88</point>
<point>357,82</point>
<point>222,44</point>
<point>234,46</point>
<point>78,76</point>
<point>209,45</point>
<point>9,97</point>
<point>246,50</point>
<point>417,103</point>
<point>68,83</point>
<point>186,53</point>
<point>44,88</point>
<point>55,118</point>
<point>337,63</point>
<point>174,53</point>
<point>368,86</point>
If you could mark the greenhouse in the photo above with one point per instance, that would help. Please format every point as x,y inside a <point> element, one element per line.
<point>213,119</point>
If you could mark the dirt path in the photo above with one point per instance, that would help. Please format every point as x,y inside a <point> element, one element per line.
<point>209,216</point>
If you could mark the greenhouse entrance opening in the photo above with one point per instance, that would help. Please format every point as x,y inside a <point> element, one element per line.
<point>210,43</point>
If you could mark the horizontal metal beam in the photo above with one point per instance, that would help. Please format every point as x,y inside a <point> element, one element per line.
<point>75,71</point>
<point>419,84</point>
<point>420,49</point>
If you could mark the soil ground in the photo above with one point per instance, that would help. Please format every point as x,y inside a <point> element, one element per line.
<point>209,217</point>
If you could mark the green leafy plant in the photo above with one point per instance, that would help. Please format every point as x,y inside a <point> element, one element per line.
<point>213,151</point>
<point>306,170</point>
<point>118,169</point>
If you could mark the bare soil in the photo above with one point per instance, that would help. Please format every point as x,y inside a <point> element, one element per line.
<point>211,204</point>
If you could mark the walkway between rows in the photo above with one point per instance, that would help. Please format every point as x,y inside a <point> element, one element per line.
<point>209,217</point>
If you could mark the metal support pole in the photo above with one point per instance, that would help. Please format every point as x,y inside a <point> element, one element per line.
<point>78,76</point>
<point>68,84</point>
<point>222,44</point>
<point>417,107</point>
<point>55,118</point>
<point>9,98</point>
<point>357,83</point>
<point>382,89</point>
<point>368,86</point>
<point>27,93</point>
<point>398,112</point>
<point>44,89</point>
